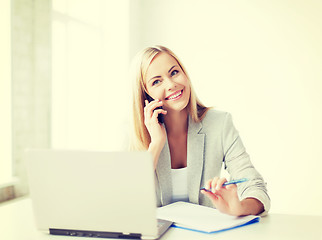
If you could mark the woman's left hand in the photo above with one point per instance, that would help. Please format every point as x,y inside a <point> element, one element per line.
<point>224,198</point>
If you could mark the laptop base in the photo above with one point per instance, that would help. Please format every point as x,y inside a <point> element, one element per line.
<point>96,234</point>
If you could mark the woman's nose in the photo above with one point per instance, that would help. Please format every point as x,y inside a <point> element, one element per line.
<point>170,84</point>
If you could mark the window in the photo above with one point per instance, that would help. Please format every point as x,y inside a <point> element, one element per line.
<point>89,73</point>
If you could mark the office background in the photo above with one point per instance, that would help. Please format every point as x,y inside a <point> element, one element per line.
<point>66,78</point>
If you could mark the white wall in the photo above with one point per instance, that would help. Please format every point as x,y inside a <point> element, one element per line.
<point>261,61</point>
<point>5,93</point>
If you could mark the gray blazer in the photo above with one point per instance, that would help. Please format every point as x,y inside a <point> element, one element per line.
<point>212,142</point>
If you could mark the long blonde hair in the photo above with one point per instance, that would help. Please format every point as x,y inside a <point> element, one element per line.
<point>140,138</point>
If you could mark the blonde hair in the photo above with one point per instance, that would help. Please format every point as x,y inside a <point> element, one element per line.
<point>140,138</point>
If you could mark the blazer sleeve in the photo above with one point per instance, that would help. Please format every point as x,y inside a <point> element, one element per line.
<point>238,164</point>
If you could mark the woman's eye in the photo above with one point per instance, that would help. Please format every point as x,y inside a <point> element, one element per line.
<point>155,82</point>
<point>174,72</point>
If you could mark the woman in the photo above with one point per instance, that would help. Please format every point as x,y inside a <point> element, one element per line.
<point>191,145</point>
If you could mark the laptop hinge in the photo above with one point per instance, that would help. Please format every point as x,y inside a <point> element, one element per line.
<point>97,234</point>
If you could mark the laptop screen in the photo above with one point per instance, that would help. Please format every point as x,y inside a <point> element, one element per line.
<point>93,191</point>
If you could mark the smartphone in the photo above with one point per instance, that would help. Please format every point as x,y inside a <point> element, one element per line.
<point>160,116</point>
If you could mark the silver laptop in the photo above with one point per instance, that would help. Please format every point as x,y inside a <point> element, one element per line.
<point>94,194</point>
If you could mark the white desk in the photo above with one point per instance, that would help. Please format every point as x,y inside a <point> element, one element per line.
<point>17,223</point>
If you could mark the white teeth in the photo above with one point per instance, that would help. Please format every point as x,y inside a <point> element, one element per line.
<point>174,96</point>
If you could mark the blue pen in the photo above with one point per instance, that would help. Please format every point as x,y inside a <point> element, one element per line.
<point>229,182</point>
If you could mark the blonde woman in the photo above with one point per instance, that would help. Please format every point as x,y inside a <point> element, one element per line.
<point>191,145</point>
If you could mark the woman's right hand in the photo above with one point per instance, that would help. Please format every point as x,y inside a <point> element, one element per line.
<point>156,130</point>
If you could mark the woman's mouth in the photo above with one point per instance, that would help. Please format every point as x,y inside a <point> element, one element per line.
<point>175,95</point>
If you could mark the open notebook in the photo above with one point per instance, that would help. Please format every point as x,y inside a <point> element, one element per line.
<point>202,219</point>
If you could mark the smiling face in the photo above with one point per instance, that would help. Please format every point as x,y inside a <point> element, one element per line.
<point>166,81</point>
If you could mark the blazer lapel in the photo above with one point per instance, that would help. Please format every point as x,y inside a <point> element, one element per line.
<point>163,171</point>
<point>195,159</point>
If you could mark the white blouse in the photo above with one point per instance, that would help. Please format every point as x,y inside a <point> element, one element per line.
<point>180,184</point>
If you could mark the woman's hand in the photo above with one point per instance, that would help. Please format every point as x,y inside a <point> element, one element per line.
<point>225,199</point>
<point>156,130</point>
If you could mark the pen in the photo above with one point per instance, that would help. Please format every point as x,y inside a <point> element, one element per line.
<point>228,183</point>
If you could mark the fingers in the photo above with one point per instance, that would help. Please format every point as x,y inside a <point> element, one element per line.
<point>219,184</point>
<point>208,191</point>
<point>213,186</point>
<point>158,111</point>
<point>213,194</point>
<point>224,198</point>
<point>151,110</point>
<point>213,197</point>
<point>150,106</point>
<point>208,184</point>
<point>216,184</point>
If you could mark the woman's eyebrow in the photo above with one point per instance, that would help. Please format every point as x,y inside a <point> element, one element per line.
<point>171,68</point>
<point>154,78</point>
